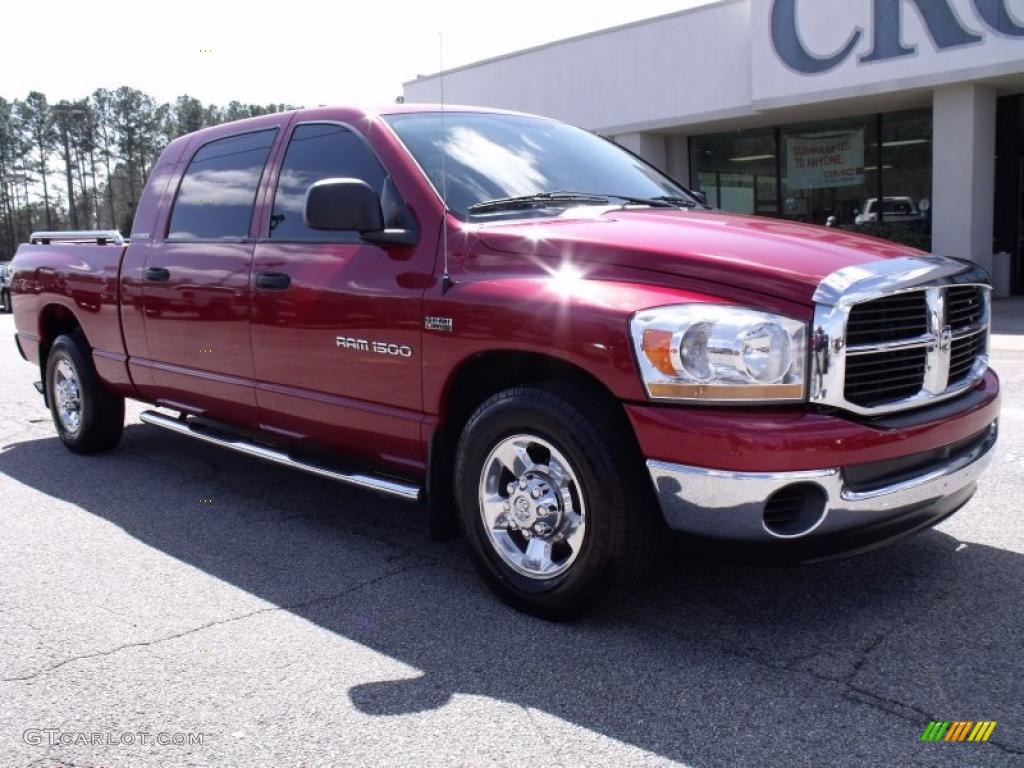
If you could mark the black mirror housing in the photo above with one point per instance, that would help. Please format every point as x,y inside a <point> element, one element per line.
<point>343,204</point>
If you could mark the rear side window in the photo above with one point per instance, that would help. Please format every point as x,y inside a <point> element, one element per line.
<point>218,191</point>
<point>319,151</point>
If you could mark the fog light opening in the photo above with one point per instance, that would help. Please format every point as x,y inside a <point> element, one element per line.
<point>795,510</point>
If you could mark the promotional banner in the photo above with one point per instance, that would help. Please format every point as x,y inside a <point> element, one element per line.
<point>825,160</point>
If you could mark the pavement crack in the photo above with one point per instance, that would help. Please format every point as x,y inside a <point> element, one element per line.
<point>290,607</point>
<point>139,644</point>
<point>865,654</point>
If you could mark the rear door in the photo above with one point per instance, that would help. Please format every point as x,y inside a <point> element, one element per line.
<point>196,283</point>
<point>337,322</point>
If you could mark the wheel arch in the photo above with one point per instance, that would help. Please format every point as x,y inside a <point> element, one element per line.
<point>54,320</point>
<point>473,381</point>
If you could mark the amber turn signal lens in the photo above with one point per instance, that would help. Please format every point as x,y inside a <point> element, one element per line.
<point>656,345</point>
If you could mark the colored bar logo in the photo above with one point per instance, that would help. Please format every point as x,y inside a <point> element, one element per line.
<point>958,730</point>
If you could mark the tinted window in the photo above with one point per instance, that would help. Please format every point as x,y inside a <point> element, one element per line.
<point>216,196</point>
<point>486,156</point>
<point>318,151</point>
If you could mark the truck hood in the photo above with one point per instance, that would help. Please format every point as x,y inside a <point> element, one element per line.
<point>769,256</point>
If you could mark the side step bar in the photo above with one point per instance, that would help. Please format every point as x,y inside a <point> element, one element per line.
<point>379,484</point>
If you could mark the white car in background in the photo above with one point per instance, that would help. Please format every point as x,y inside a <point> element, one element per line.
<point>895,210</point>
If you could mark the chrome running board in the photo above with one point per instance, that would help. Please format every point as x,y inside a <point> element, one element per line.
<point>183,427</point>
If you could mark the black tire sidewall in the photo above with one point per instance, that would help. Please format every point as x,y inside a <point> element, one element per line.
<point>544,416</point>
<point>101,419</point>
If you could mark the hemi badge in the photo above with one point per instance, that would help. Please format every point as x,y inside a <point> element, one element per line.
<point>437,323</point>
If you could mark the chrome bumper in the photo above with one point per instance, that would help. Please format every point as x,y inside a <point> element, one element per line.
<point>731,505</point>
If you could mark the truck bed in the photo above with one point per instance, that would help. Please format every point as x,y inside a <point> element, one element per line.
<point>79,276</point>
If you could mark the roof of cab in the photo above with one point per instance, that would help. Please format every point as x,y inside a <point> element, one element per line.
<point>353,114</point>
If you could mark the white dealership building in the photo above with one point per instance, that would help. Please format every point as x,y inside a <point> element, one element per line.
<point>813,110</point>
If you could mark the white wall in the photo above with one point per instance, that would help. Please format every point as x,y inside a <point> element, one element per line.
<point>963,172</point>
<point>719,61</point>
<point>647,75</point>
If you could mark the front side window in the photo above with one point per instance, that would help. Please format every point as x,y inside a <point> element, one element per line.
<point>475,157</point>
<point>319,151</point>
<point>216,196</point>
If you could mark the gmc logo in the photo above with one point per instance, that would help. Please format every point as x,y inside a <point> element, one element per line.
<point>941,20</point>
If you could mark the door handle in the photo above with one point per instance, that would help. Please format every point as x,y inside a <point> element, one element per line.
<point>273,281</point>
<point>156,274</point>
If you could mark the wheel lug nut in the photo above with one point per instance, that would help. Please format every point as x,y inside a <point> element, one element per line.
<point>506,507</point>
<point>522,485</point>
<point>511,487</point>
<point>536,493</point>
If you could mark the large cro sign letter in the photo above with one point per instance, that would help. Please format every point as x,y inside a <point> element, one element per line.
<point>938,16</point>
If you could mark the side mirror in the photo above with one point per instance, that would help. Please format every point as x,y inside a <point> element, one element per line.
<point>346,204</point>
<point>352,205</point>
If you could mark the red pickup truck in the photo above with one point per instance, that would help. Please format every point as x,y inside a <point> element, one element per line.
<point>563,351</point>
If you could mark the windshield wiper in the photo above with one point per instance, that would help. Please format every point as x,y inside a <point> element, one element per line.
<point>525,201</point>
<point>678,202</point>
<point>586,198</point>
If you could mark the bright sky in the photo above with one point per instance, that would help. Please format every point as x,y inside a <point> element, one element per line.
<point>296,51</point>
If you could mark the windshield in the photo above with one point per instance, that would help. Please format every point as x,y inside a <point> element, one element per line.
<point>492,156</point>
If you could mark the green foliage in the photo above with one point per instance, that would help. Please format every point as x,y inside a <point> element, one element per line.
<point>83,163</point>
<point>915,236</point>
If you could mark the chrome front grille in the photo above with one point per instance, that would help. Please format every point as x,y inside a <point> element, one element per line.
<point>892,318</point>
<point>964,306</point>
<point>899,334</point>
<point>965,354</point>
<point>885,376</point>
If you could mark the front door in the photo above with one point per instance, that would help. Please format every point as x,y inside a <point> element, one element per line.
<point>196,284</point>
<point>337,322</point>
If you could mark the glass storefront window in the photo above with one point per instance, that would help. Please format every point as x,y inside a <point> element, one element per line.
<point>736,171</point>
<point>830,171</point>
<point>907,169</point>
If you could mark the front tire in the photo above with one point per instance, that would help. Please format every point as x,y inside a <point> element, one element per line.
<point>88,418</point>
<point>554,502</point>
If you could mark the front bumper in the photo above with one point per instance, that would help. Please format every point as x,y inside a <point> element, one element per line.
<point>833,518</point>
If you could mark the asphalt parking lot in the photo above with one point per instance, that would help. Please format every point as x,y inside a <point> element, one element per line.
<point>172,589</point>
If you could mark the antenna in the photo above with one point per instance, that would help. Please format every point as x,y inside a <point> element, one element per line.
<point>446,281</point>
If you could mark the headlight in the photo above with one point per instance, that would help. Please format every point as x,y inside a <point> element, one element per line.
<point>719,353</point>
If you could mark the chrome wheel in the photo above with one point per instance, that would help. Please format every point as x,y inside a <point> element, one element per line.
<point>532,506</point>
<point>67,393</point>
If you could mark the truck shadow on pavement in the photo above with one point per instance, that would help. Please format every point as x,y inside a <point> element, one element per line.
<point>712,664</point>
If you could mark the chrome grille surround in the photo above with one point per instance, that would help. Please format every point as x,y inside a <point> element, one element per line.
<point>840,291</point>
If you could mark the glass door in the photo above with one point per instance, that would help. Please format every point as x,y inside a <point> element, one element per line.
<point>1019,255</point>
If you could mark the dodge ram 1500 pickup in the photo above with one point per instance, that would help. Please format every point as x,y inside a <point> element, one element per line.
<point>561,350</point>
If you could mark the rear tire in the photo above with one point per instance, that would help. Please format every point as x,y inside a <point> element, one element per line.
<point>5,298</point>
<point>555,504</point>
<point>88,418</point>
